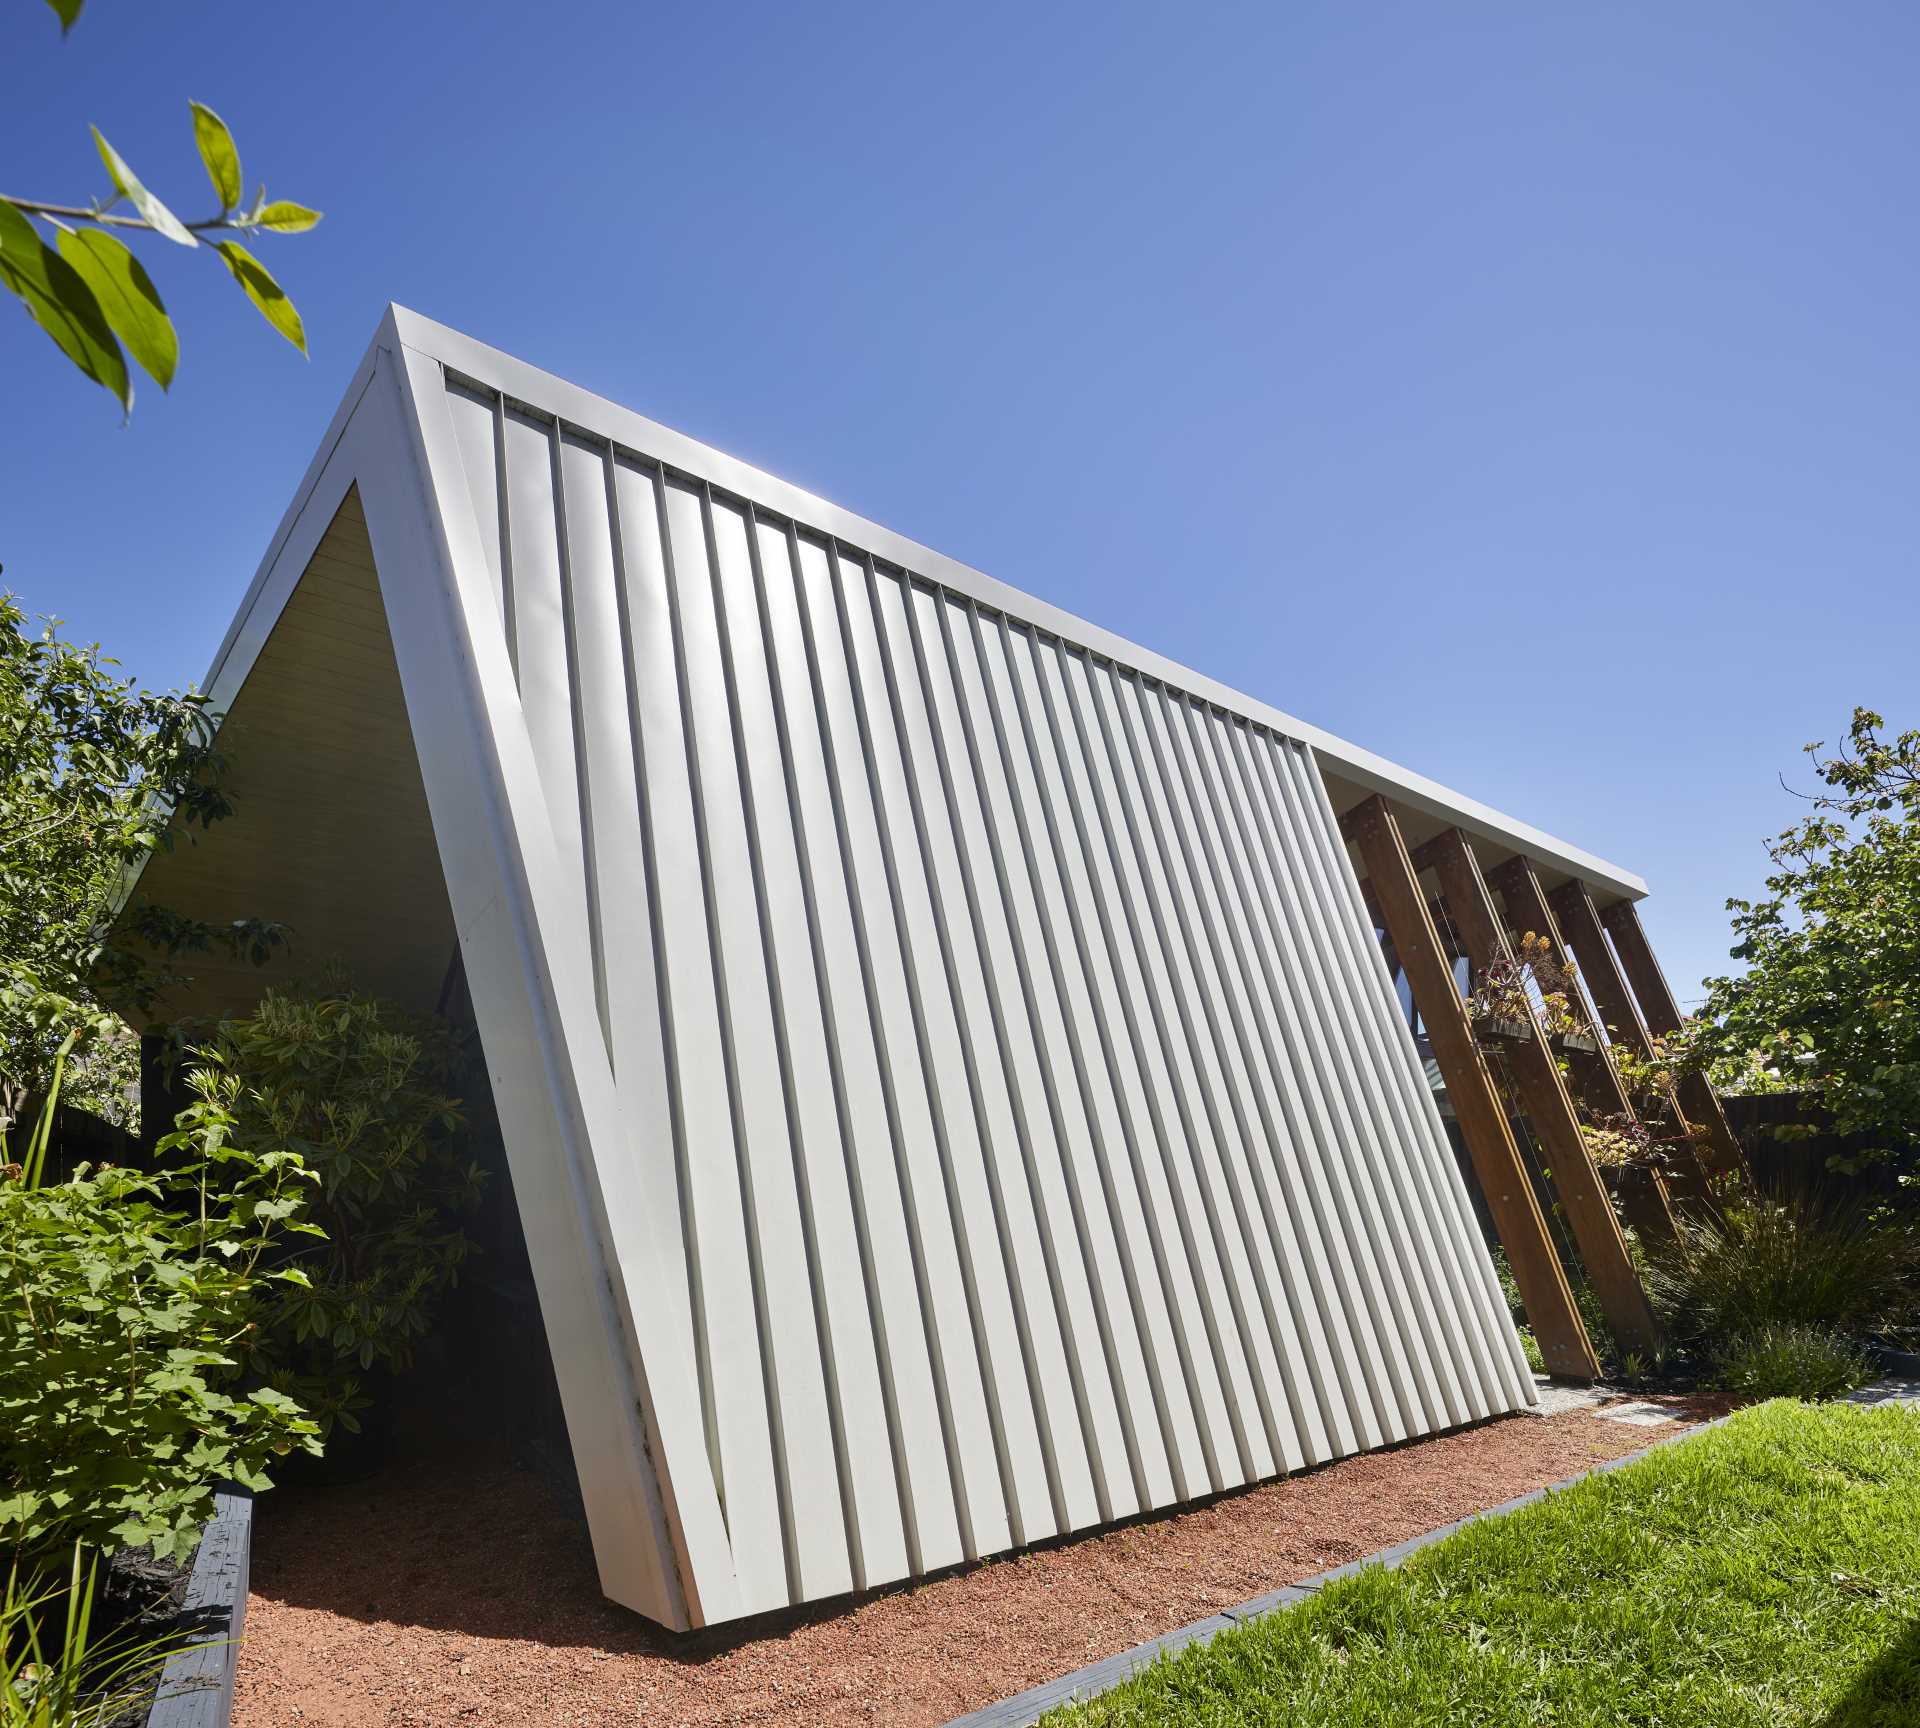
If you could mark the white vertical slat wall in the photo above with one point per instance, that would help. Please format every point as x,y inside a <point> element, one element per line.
<point>999,1027</point>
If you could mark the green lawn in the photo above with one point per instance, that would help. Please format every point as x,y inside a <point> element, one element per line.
<point>1767,1571</point>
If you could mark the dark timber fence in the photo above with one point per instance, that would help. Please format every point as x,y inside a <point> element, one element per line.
<point>1802,1158</point>
<point>78,1137</point>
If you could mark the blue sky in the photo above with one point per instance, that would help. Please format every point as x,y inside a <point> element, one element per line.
<point>1526,392</point>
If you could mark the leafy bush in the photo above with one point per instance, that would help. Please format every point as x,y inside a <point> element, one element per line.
<point>1790,1361</point>
<point>358,1088</point>
<point>127,1317</point>
<point>1786,1261</point>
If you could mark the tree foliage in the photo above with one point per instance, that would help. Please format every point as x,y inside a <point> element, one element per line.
<point>1831,990</point>
<point>74,275</point>
<point>92,770</point>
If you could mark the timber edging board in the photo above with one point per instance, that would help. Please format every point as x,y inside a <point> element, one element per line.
<point>196,1686</point>
<point>1025,1708</point>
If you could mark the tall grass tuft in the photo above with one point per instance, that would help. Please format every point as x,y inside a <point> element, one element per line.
<point>70,1680</point>
<point>1785,1260</point>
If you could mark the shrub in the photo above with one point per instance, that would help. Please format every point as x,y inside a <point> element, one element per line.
<point>1783,1360</point>
<point>1787,1261</point>
<point>359,1088</point>
<point>126,1320</point>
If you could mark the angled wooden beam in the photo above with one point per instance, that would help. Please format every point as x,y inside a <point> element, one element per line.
<point>1662,1016</point>
<point>1517,1217</point>
<point>1579,921</point>
<point>1449,944</point>
<point>1548,1105</point>
<point>1597,1083</point>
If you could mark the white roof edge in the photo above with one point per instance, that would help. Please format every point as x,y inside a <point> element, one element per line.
<point>597,414</point>
<point>290,520</point>
<point>275,575</point>
<point>592,413</point>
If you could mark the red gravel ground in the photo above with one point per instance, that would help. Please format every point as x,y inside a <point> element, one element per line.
<point>460,1595</point>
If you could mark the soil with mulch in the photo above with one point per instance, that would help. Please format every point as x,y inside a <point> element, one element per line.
<point>438,1595</point>
<point>139,1600</point>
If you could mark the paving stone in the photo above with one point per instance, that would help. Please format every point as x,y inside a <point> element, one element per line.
<point>1637,1415</point>
<point>1557,1400</point>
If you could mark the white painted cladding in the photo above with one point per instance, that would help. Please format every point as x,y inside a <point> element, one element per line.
<point>1010,1076</point>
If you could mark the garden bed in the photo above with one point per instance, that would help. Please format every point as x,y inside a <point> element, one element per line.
<point>461,1595</point>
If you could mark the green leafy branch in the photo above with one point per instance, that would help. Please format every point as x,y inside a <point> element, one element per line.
<point>93,296</point>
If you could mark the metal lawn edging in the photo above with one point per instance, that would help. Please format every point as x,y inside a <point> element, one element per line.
<point>196,1686</point>
<point>1025,1708</point>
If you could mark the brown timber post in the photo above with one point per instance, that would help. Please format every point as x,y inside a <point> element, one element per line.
<point>1517,1217</point>
<point>1662,1015</point>
<point>1579,920</point>
<point>1643,1190</point>
<point>1544,1097</point>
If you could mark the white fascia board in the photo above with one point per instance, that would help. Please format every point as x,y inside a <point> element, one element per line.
<point>306,519</point>
<point>556,398</point>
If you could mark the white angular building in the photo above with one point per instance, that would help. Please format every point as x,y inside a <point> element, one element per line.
<point>952,1086</point>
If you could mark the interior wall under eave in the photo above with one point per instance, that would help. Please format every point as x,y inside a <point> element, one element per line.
<point>330,834</point>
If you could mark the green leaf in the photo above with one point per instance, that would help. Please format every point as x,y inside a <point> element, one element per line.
<point>218,151</point>
<point>263,291</point>
<point>68,12</point>
<point>61,303</point>
<point>285,217</point>
<point>127,183</point>
<point>126,296</point>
